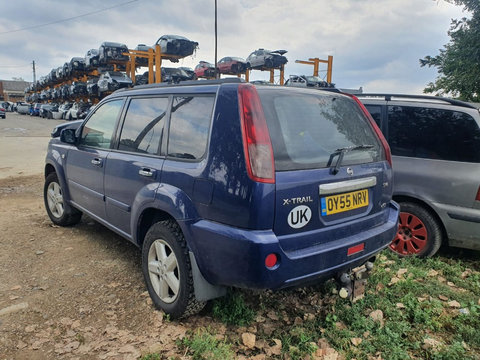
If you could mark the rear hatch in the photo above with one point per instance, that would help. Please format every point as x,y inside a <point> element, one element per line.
<point>330,167</point>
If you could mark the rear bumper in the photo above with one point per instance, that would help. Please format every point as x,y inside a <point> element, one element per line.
<point>235,257</point>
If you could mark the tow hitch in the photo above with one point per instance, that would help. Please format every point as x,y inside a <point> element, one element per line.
<point>352,283</point>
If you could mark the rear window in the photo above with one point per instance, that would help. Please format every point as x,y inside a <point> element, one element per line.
<point>308,126</point>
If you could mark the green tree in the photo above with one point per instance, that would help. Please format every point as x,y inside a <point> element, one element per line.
<point>458,63</point>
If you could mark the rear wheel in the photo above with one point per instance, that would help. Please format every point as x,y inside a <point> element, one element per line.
<point>59,212</point>
<point>419,232</point>
<point>167,270</point>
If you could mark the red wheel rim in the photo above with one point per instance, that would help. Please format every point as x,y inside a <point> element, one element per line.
<point>411,237</point>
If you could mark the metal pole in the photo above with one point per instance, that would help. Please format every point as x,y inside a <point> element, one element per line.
<point>216,73</point>
<point>34,75</point>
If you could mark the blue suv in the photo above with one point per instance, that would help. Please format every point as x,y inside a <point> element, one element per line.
<point>223,183</point>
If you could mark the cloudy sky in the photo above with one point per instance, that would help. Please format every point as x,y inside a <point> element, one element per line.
<point>375,44</point>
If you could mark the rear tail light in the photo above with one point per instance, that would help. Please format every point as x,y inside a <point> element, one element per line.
<point>478,194</point>
<point>256,139</point>
<point>386,147</point>
<point>271,260</point>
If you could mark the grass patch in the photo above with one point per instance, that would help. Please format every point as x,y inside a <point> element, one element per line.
<point>203,346</point>
<point>233,310</point>
<point>415,306</point>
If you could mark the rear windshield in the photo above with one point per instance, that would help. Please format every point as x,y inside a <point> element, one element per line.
<point>307,127</point>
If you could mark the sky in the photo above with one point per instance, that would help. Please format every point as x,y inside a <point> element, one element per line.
<point>375,44</point>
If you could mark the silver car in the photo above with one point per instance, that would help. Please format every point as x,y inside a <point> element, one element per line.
<point>435,144</point>
<point>268,59</point>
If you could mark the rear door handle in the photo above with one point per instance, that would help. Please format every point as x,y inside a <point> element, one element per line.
<point>146,172</point>
<point>97,162</point>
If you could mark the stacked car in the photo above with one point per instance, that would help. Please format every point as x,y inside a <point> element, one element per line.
<point>102,71</point>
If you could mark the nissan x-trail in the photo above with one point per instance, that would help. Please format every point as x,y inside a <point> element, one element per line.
<point>222,183</point>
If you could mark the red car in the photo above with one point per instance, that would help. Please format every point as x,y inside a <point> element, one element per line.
<point>231,65</point>
<point>204,69</point>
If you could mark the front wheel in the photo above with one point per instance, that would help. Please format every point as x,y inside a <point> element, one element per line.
<point>419,232</point>
<point>59,212</point>
<point>167,270</point>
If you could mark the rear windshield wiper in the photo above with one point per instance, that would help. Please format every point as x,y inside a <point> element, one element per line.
<point>341,153</point>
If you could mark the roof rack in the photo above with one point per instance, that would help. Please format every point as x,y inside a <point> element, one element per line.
<point>191,83</point>
<point>388,97</point>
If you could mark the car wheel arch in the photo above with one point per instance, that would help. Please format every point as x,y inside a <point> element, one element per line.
<point>426,206</point>
<point>53,165</point>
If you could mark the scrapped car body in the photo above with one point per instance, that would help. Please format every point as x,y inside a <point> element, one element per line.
<point>204,70</point>
<point>176,45</point>
<point>46,110</point>
<point>23,108</point>
<point>78,88</point>
<point>262,58</point>
<point>173,75</point>
<point>209,176</point>
<point>76,64</point>
<point>308,81</point>
<point>35,109</point>
<point>435,146</point>
<point>189,71</point>
<point>91,59</point>
<point>111,81</point>
<point>92,86</point>
<point>231,65</point>
<point>111,52</point>
<point>62,110</point>
<point>141,61</point>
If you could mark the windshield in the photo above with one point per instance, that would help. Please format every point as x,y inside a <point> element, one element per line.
<point>307,126</point>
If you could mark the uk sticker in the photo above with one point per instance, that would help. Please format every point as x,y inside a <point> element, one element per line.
<point>299,216</point>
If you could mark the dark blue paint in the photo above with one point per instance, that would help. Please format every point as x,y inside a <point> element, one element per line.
<point>230,222</point>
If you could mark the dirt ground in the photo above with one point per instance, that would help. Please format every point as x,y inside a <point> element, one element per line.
<point>66,292</point>
<point>71,292</point>
<point>78,292</point>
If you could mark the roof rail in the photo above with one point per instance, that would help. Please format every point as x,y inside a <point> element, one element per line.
<point>388,97</point>
<point>191,83</point>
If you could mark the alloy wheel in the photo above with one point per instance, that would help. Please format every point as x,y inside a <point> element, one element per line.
<point>164,271</point>
<point>411,237</point>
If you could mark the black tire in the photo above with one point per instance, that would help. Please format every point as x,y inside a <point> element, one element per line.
<point>168,236</point>
<point>63,214</point>
<point>419,232</point>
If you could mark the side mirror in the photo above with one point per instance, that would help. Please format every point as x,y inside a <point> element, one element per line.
<point>68,136</point>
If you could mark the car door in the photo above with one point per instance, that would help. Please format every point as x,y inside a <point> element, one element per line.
<point>133,169</point>
<point>85,162</point>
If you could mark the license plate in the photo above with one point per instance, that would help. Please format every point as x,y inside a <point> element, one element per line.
<point>344,202</point>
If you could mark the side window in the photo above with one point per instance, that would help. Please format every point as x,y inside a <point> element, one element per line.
<point>98,130</point>
<point>189,126</point>
<point>433,134</point>
<point>376,112</point>
<point>143,126</point>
